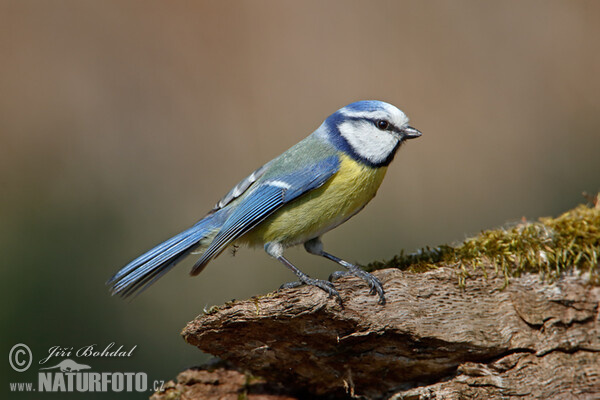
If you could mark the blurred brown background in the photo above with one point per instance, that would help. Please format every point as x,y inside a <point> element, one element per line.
<point>122,123</point>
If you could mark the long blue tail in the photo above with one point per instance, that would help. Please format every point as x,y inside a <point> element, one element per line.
<point>142,272</point>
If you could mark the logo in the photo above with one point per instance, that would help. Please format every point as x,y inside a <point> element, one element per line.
<point>20,357</point>
<point>69,366</point>
<point>69,375</point>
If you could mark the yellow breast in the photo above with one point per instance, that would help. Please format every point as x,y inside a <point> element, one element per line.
<point>322,209</point>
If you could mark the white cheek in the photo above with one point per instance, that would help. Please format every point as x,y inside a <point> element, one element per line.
<point>369,142</point>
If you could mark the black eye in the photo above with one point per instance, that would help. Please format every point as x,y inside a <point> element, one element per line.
<point>382,124</point>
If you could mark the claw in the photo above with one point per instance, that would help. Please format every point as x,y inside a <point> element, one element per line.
<point>326,286</point>
<point>373,282</point>
<point>337,275</point>
<point>291,285</point>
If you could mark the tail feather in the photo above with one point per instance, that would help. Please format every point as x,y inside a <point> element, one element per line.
<point>146,281</point>
<point>146,269</point>
<point>140,275</point>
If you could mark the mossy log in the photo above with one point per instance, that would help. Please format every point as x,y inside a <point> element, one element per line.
<point>439,336</point>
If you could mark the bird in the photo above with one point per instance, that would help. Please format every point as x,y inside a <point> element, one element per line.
<point>294,199</point>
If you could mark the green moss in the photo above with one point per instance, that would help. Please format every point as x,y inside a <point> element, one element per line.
<point>550,246</point>
<point>211,310</point>
<point>247,386</point>
<point>256,300</point>
<point>173,395</point>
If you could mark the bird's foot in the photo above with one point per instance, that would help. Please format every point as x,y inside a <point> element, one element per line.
<point>372,280</point>
<point>321,284</point>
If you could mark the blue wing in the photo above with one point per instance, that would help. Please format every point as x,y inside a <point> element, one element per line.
<point>263,201</point>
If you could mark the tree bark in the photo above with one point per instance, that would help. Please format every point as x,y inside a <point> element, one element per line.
<point>433,339</point>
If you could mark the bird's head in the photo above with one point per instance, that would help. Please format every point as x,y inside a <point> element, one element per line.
<point>370,131</point>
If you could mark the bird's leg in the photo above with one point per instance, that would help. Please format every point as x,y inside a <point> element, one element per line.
<point>315,246</point>
<point>276,250</point>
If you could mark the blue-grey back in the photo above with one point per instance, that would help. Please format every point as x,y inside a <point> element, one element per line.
<point>308,151</point>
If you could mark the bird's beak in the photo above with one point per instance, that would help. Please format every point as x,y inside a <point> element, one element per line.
<point>408,132</point>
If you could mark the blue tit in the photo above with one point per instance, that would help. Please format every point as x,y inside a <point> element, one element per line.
<point>293,199</point>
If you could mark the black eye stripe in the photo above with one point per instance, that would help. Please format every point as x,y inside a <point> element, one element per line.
<point>384,125</point>
<point>390,126</point>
